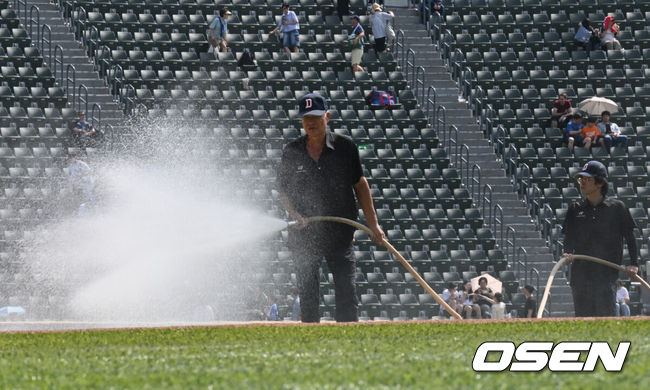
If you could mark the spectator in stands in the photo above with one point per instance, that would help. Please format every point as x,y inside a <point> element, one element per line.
<point>84,133</point>
<point>378,21</point>
<point>319,174</point>
<point>290,29</point>
<point>272,313</point>
<point>590,134</point>
<point>573,132</point>
<point>610,132</point>
<point>587,37</point>
<point>561,110</point>
<point>597,227</point>
<point>450,295</point>
<point>622,298</point>
<point>485,297</point>
<point>218,30</point>
<point>609,34</point>
<point>355,42</point>
<point>471,309</point>
<point>530,308</point>
<point>294,302</point>
<point>498,307</point>
<point>343,8</point>
<point>434,6</point>
<point>81,183</point>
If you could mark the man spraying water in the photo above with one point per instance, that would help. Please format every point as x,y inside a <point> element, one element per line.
<point>319,174</point>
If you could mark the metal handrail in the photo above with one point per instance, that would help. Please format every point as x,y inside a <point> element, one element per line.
<point>475,178</point>
<point>466,87</point>
<point>409,66</point>
<point>400,46</point>
<point>522,251</point>
<point>36,21</point>
<point>125,98</point>
<point>431,104</point>
<point>534,272</point>
<point>511,160</point>
<point>511,243</point>
<point>454,66</point>
<point>47,28</point>
<point>454,141</point>
<point>70,80</point>
<point>441,120</point>
<point>82,99</point>
<point>419,80</point>
<point>17,4</point>
<point>522,183</point>
<point>96,118</point>
<point>88,42</point>
<point>487,199</point>
<point>112,79</point>
<point>498,139</point>
<point>547,219</point>
<point>496,221</point>
<point>78,24</point>
<point>102,63</point>
<point>462,160</point>
<point>57,62</point>
<point>109,131</point>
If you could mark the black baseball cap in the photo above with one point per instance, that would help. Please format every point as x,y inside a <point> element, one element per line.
<point>355,17</point>
<point>313,104</point>
<point>593,168</point>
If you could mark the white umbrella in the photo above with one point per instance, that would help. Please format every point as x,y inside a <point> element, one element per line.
<point>596,105</point>
<point>492,282</point>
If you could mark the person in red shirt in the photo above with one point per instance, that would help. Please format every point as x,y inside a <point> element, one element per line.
<point>561,110</point>
<point>591,135</point>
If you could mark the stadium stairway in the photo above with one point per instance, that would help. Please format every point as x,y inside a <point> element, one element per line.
<point>481,152</point>
<point>74,54</point>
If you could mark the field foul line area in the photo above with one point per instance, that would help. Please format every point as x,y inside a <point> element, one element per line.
<point>9,327</point>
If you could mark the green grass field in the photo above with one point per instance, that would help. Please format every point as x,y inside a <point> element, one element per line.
<point>433,355</point>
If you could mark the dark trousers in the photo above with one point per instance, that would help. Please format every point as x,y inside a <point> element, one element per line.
<point>342,265</point>
<point>380,45</point>
<point>594,300</point>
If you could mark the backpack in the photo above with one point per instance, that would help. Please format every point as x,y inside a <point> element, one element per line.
<point>246,60</point>
<point>381,98</point>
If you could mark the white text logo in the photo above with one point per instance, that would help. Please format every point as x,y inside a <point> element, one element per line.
<point>533,356</point>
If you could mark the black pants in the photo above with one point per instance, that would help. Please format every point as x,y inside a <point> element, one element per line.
<point>380,45</point>
<point>343,8</point>
<point>341,263</point>
<point>596,299</point>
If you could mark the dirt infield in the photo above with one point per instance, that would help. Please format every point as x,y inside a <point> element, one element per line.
<point>71,326</point>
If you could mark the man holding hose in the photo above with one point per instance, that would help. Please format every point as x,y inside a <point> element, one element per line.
<point>319,175</point>
<point>596,226</point>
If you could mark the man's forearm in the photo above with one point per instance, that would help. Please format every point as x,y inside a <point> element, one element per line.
<point>365,201</point>
<point>286,204</point>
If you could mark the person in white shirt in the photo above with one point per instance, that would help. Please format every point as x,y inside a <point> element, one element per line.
<point>450,295</point>
<point>611,132</point>
<point>378,21</point>
<point>498,307</point>
<point>622,298</point>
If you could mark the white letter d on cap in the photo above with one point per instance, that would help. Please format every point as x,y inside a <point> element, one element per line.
<point>507,350</point>
<point>308,103</point>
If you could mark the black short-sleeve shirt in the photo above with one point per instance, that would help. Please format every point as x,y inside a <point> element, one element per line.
<point>324,187</point>
<point>530,304</point>
<point>598,231</point>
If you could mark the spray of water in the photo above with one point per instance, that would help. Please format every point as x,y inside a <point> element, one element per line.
<point>166,241</point>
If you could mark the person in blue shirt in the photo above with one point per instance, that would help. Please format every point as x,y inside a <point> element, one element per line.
<point>290,28</point>
<point>294,302</point>
<point>218,31</point>
<point>572,135</point>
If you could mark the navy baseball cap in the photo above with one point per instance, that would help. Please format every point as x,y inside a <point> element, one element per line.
<point>355,17</point>
<point>313,104</point>
<point>593,168</point>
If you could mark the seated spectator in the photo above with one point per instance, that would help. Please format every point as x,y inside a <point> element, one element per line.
<point>562,109</point>
<point>434,6</point>
<point>590,134</point>
<point>608,35</point>
<point>450,295</point>
<point>622,298</point>
<point>587,37</point>
<point>485,297</point>
<point>498,307</point>
<point>84,133</point>
<point>530,308</point>
<point>468,299</point>
<point>294,302</point>
<point>573,132</point>
<point>610,132</point>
